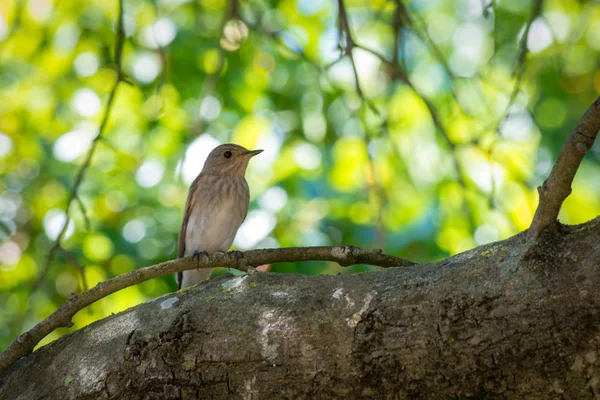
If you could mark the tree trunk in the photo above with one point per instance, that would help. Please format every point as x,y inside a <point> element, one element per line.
<point>512,319</point>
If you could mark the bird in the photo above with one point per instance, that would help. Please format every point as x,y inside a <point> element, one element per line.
<point>216,206</point>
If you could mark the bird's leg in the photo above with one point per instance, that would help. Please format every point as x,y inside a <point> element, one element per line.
<point>197,255</point>
<point>238,256</point>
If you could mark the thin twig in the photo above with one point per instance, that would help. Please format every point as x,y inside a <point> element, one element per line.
<point>14,27</point>
<point>343,255</point>
<point>557,187</point>
<point>522,52</point>
<point>488,8</point>
<point>120,38</point>
<point>76,263</point>
<point>518,70</point>
<point>347,44</point>
<point>377,193</point>
<point>423,34</point>
<point>440,127</point>
<point>161,52</point>
<point>83,210</point>
<point>519,67</point>
<point>396,72</point>
<point>163,58</point>
<point>210,83</point>
<point>277,36</point>
<point>398,23</point>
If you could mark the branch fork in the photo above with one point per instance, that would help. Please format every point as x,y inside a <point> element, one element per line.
<point>557,187</point>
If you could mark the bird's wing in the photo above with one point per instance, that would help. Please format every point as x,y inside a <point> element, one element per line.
<point>189,206</point>
<point>246,203</point>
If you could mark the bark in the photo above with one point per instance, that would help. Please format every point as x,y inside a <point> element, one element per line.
<point>513,319</point>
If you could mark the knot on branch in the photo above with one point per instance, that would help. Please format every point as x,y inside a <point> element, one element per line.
<point>582,142</point>
<point>67,323</point>
<point>241,262</point>
<point>24,338</point>
<point>582,147</point>
<point>540,189</point>
<point>349,255</point>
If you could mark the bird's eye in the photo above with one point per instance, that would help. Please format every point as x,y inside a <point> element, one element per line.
<point>227,154</point>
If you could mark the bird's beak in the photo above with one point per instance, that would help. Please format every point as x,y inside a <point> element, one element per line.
<point>252,153</point>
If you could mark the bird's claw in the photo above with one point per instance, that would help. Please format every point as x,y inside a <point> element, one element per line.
<point>197,255</point>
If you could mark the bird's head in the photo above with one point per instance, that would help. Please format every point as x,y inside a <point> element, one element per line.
<point>229,160</point>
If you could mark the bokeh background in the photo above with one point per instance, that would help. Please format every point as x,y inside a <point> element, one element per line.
<point>459,111</point>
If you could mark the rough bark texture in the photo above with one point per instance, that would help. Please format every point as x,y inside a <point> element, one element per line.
<point>506,320</point>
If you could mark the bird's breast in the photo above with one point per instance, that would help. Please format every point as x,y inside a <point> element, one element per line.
<point>220,207</point>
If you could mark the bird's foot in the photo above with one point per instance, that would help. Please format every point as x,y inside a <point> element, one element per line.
<point>196,256</point>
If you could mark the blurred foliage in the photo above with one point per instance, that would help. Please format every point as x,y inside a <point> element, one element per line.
<point>337,168</point>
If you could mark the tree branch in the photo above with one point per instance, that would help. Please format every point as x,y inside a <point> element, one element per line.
<point>120,39</point>
<point>19,7</point>
<point>374,335</point>
<point>396,72</point>
<point>210,82</point>
<point>71,258</point>
<point>522,52</point>
<point>519,66</point>
<point>347,46</point>
<point>420,29</point>
<point>343,255</point>
<point>82,208</point>
<point>161,52</point>
<point>558,185</point>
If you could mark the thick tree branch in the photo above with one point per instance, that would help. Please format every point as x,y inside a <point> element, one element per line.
<point>343,255</point>
<point>489,323</point>
<point>558,185</point>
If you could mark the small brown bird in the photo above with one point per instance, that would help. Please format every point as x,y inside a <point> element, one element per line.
<point>216,206</point>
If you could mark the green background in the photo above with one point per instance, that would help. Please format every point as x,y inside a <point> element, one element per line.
<point>374,171</point>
